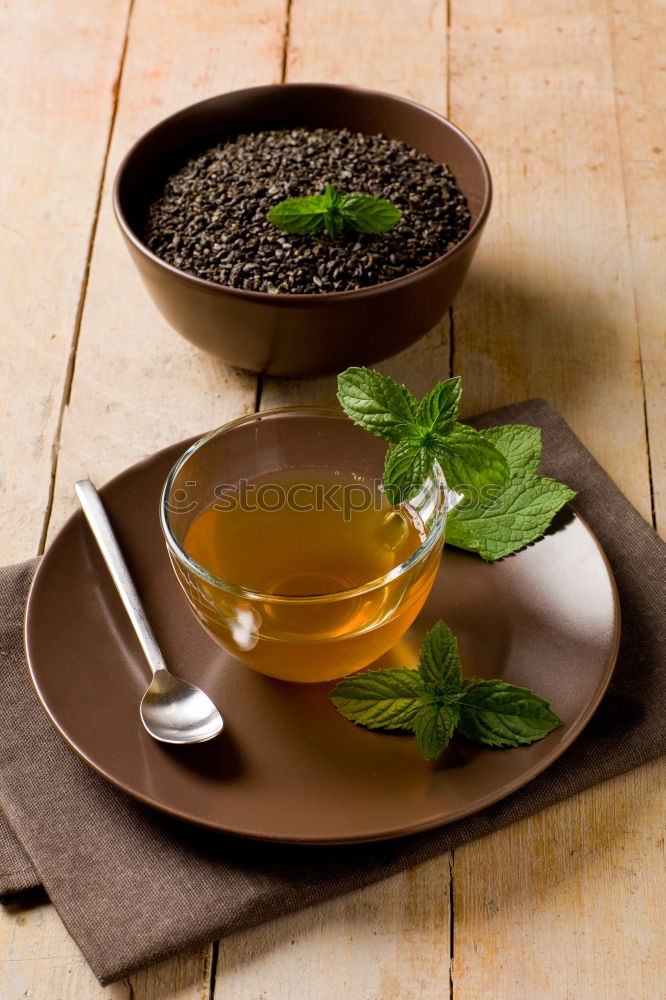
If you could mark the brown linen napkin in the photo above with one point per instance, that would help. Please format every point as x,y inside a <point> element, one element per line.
<point>134,886</point>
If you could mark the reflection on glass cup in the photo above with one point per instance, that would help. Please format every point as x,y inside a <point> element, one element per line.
<point>287,549</point>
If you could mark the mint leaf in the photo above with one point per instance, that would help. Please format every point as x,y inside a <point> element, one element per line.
<point>518,515</point>
<point>435,700</point>
<point>438,411</point>
<point>425,700</point>
<point>377,403</point>
<point>331,199</point>
<point>333,212</point>
<point>309,216</point>
<point>333,218</point>
<point>433,728</point>
<point>459,535</point>
<point>500,714</point>
<point>439,666</point>
<point>467,459</point>
<point>439,662</point>
<point>381,699</point>
<point>300,215</point>
<point>366,214</point>
<point>406,468</point>
<point>520,445</point>
<point>334,224</point>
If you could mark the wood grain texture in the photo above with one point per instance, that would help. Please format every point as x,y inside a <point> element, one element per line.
<point>639,57</point>
<point>548,309</point>
<point>41,962</point>
<point>640,71</point>
<point>138,386</point>
<point>393,46</point>
<point>558,905</point>
<point>401,50</point>
<point>388,942</point>
<point>569,903</point>
<point>565,300</point>
<point>379,951</point>
<point>57,73</point>
<point>418,367</point>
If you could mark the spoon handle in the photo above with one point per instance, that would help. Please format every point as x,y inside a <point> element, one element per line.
<point>100,526</point>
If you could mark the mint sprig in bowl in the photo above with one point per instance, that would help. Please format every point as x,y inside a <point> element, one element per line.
<point>302,333</point>
<point>334,213</point>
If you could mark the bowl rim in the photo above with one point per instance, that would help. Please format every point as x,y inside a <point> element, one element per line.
<point>281,299</point>
<point>176,550</point>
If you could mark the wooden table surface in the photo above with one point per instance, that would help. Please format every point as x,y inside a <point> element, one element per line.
<point>565,300</point>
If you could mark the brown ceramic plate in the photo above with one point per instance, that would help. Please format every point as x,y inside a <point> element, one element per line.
<point>288,767</point>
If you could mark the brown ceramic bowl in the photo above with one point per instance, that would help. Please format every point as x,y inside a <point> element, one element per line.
<point>299,335</point>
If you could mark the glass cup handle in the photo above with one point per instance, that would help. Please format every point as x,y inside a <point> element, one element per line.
<point>452,500</point>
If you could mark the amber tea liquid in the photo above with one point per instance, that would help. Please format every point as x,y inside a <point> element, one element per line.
<point>308,534</point>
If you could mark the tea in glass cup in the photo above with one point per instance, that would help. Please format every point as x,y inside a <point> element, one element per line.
<point>281,535</point>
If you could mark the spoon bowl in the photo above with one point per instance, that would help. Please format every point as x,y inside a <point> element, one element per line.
<point>175,711</point>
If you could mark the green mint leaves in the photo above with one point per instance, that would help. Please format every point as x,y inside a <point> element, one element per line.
<point>435,700</point>
<point>504,715</point>
<point>334,212</point>
<point>425,430</point>
<point>520,511</point>
<point>377,403</point>
<point>505,504</point>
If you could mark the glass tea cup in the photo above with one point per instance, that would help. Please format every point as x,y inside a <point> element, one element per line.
<point>286,547</point>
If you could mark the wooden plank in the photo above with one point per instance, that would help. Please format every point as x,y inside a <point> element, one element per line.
<point>41,962</point>
<point>369,945</point>
<point>549,307</point>
<point>137,385</point>
<point>420,366</point>
<point>392,46</point>
<point>639,28</point>
<point>544,910</point>
<point>57,74</point>
<point>58,70</point>
<point>567,903</point>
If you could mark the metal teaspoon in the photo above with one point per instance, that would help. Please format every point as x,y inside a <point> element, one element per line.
<point>172,710</point>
